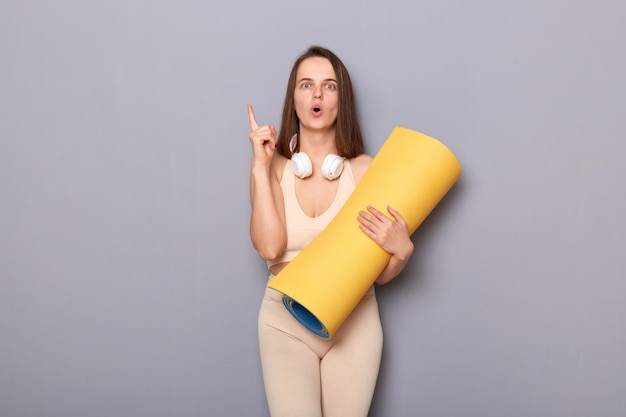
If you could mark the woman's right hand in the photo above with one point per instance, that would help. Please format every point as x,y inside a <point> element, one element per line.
<point>262,139</point>
<point>267,221</point>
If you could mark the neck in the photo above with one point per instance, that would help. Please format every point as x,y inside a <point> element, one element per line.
<point>317,143</point>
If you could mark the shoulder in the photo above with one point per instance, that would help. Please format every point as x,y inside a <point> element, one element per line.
<point>359,165</point>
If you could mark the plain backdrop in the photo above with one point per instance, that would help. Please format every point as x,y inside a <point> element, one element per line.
<point>128,283</point>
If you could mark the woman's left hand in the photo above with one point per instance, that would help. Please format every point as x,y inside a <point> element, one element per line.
<point>390,234</point>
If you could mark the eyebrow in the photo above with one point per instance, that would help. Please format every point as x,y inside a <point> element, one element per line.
<point>311,79</point>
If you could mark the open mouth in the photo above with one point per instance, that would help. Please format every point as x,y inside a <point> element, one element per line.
<point>317,110</point>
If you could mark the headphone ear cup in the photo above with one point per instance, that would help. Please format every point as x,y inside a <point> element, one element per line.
<point>301,165</point>
<point>332,166</point>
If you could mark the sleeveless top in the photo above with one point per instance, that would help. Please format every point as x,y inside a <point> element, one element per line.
<point>301,228</point>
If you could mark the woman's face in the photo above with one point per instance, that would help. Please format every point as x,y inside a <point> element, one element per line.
<point>316,95</point>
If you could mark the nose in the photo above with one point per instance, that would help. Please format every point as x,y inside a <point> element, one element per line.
<point>317,93</point>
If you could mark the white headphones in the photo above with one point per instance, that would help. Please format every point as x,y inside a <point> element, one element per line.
<point>302,167</point>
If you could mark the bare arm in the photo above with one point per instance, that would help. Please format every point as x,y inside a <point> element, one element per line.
<point>390,234</point>
<point>267,220</point>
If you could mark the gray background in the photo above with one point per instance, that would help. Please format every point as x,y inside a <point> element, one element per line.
<point>128,284</point>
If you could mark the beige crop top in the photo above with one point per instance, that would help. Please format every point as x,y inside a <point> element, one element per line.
<point>301,229</point>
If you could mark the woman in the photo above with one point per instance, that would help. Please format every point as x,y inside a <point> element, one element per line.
<point>292,201</point>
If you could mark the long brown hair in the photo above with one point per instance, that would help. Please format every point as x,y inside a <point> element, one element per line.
<point>348,138</point>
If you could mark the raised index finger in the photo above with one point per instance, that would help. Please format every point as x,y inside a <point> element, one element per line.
<point>253,123</point>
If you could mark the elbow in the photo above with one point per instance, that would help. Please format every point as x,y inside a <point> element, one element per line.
<point>270,253</point>
<point>271,250</point>
<point>269,246</point>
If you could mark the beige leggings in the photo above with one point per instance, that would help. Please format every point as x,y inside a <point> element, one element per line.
<point>307,376</point>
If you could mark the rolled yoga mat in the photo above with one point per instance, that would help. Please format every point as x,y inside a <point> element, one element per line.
<point>325,281</point>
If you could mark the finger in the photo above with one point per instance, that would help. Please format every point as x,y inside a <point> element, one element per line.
<point>365,218</point>
<point>396,215</point>
<point>367,231</point>
<point>379,215</point>
<point>253,123</point>
<point>271,141</point>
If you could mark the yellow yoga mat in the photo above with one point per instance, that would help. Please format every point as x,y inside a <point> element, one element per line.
<point>322,285</point>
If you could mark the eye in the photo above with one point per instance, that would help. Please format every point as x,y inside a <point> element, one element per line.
<point>306,85</point>
<point>330,86</point>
